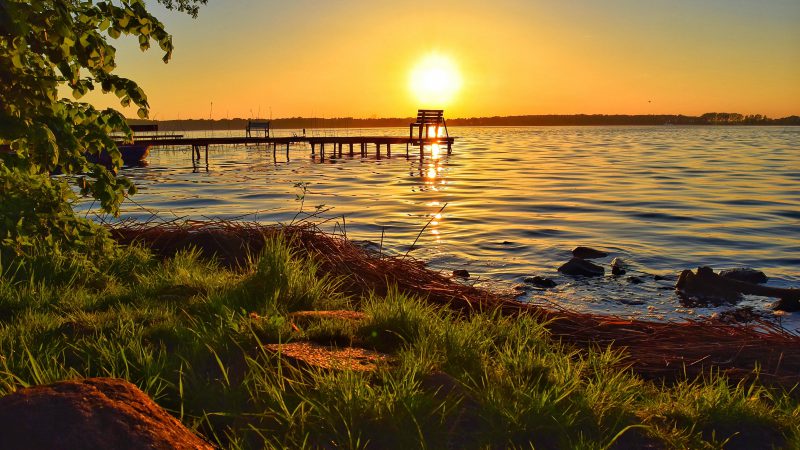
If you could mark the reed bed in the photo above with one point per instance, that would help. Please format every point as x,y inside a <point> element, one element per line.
<point>671,351</point>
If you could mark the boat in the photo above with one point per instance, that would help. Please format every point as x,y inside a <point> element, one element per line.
<point>132,154</point>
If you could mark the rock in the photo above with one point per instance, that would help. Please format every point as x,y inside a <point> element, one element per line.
<point>588,253</point>
<point>461,273</point>
<point>94,413</point>
<point>745,274</point>
<point>660,278</point>
<point>635,280</point>
<point>541,282</point>
<point>708,285</point>
<point>335,358</point>
<point>519,290</point>
<point>617,266</point>
<point>788,304</point>
<point>705,285</point>
<point>577,266</point>
<point>632,302</point>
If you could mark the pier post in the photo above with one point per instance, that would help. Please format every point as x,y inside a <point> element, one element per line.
<point>287,151</point>
<point>378,150</point>
<point>351,149</point>
<point>449,148</point>
<point>206,157</point>
<point>406,149</point>
<point>340,149</point>
<point>389,150</point>
<point>313,146</point>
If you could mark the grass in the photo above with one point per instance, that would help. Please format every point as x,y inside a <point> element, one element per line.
<point>190,333</point>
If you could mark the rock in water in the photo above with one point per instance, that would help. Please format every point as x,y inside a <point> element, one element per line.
<point>707,284</point>
<point>461,273</point>
<point>94,413</point>
<point>578,266</point>
<point>745,274</point>
<point>617,266</point>
<point>588,253</point>
<point>540,281</point>
<point>635,280</point>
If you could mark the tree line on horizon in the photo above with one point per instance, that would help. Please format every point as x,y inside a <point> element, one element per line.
<point>712,118</point>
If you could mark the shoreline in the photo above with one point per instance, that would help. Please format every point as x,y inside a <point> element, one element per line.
<point>656,350</point>
<point>254,336</point>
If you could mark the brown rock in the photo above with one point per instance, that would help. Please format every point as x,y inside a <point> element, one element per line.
<point>588,253</point>
<point>578,266</point>
<point>94,413</point>
<point>745,274</point>
<point>324,357</point>
<point>461,273</point>
<point>541,282</point>
<point>618,267</point>
<point>706,284</point>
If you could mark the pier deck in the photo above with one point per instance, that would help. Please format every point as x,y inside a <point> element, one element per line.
<point>336,143</point>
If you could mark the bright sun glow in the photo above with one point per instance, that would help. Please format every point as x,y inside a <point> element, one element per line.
<point>435,80</point>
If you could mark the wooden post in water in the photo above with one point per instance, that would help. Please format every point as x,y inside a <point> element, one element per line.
<point>351,149</point>
<point>388,150</point>
<point>378,150</point>
<point>312,148</point>
<point>406,149</point>
<point>287,151</point>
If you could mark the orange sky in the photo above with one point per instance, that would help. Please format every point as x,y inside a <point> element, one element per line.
<point>355,58</point>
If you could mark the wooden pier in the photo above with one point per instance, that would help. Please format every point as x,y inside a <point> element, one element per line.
<point>337,144</point>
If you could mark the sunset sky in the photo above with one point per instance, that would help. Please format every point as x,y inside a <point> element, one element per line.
<point>357,58</point>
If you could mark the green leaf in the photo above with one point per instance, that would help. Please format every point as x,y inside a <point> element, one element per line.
<point>142,113</point>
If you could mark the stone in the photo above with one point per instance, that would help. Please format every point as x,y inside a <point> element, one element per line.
<point>580,267</point>
<point>706,284</point>
<point>461,273</point>
<point>617,267</point>
<point>93,413</point>
<point>541,282</point>
<point>588,253</point>
<point>519,290</point>
<point>788,304</point>
<point>635,280</point>
<point>335,358</point>
<point>745,274</point>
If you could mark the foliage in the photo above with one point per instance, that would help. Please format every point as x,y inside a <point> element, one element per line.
<point>51,45</point>
<point>36,214</point>
<point>183,331</point>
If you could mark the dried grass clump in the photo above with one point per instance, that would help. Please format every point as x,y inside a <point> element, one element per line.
<point>666,351</point>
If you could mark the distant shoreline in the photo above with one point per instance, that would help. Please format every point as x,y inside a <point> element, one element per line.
<point>722,119</point>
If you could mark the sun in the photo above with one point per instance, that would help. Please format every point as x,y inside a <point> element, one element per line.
<point>435,80</point>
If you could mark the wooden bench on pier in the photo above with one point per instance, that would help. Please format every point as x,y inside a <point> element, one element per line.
<point>428,119</point>
<point>150,132</point>
<point>257,125</point>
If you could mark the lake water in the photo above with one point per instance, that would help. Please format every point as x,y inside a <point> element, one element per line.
<point>518,200</point>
